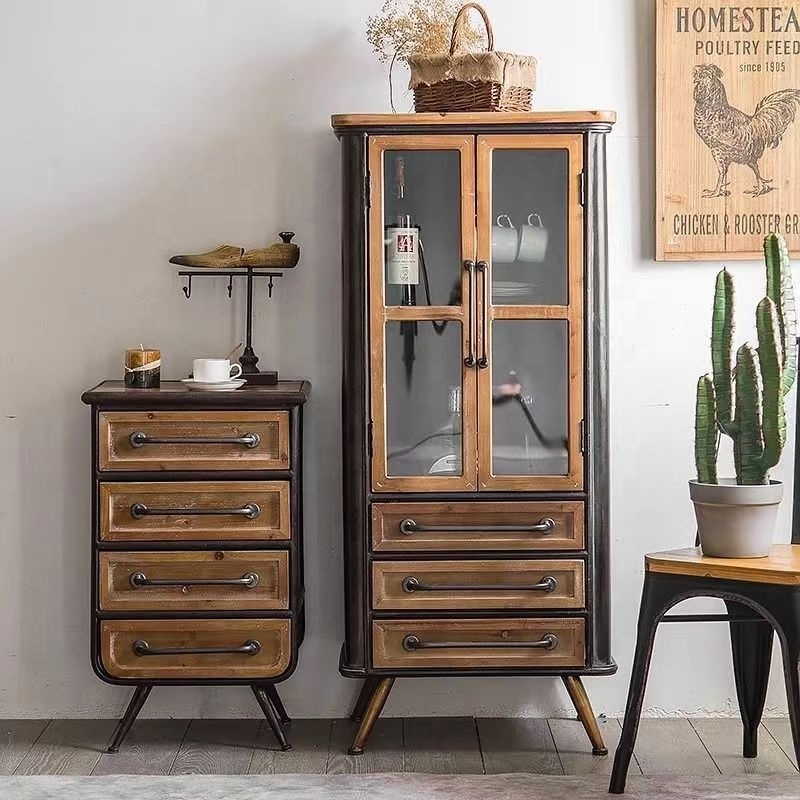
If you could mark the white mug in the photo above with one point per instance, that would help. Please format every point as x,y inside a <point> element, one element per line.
<point>215,370</point>
<point>533,240</point>
<point>505,242</point>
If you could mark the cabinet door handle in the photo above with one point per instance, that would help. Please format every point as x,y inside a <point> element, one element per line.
<point>483,268</point>
<point>249,581</point>
<point>469,359</point>
<point>544,525</point>
<point>140,439</point>
<point>249,510</point>
<point>412,584</point>
<point>140,647</point>
<point>411,643</point>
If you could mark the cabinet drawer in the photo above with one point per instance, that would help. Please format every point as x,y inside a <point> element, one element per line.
<point>443,585</point>
<point>193,440</point>
<point>413,527</point>
<point>194,581</point>
<point>187,649</point>
<point>247,510</point>
<point>475,644</point>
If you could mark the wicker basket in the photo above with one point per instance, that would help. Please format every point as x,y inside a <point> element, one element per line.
<point>488,81</point>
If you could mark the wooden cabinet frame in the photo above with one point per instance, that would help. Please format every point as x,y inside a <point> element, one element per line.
<point>476,223</point>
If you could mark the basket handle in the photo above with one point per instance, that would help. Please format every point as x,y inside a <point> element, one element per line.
<point>462,11</point>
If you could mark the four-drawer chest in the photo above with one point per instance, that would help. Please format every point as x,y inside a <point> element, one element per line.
<point>197,559</point>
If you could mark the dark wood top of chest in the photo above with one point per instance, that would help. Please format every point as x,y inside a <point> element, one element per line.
<point>114,394</point>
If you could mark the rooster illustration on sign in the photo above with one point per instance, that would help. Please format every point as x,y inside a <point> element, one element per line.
<point>733,136</point>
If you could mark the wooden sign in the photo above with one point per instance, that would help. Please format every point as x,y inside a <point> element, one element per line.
<point>728,128</point>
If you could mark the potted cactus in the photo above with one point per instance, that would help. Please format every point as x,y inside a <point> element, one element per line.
<point>744,400</point>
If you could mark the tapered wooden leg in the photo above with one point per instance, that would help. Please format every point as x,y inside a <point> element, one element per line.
<point>272,716</point>
<point>134,707</point>
<point>577,693</point>
<point>277,704</point>
<point>373,710</point>
<point>367,688</point>
<point>751,646</point>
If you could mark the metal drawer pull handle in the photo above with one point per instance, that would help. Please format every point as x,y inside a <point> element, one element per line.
<point>411,643</point>
<point>412,584</point>
<point>545,525</point>
<point>139,439</point>
<point>249,510</point>
<point>251,647</point>
<point>249,580</point>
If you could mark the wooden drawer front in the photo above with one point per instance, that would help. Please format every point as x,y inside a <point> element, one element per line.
<point>135,581</point>
<point>476,526</point>
<point>252,510</point>
<point>443,585</point>
<point>178,440</point>
<point>126,648</point>
<point>475,644</point>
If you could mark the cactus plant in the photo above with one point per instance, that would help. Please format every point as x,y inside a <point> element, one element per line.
<point>745,401</point>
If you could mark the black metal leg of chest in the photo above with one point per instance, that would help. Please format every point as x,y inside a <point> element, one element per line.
<point>277,703</point>
<point>271,714</point>
<point>134,707</point>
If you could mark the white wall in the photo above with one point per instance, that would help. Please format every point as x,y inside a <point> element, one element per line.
<point>132,131</point>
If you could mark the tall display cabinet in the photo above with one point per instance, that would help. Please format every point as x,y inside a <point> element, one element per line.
<point>475,400</point>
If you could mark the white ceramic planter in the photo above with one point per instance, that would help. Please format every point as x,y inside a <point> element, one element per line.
<point>736,521</point>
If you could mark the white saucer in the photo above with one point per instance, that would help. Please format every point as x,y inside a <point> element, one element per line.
<point>223,386</point>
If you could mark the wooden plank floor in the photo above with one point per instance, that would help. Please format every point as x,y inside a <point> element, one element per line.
<point>436,744</point>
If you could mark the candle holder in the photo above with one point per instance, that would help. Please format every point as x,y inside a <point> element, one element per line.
<point>142,368</point>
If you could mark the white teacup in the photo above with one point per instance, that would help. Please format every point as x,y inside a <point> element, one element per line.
<point>215,370</point>
<point>505,242</point>
<point>533,240</point>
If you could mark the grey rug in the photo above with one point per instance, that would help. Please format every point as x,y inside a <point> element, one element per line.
<point>393,787</point>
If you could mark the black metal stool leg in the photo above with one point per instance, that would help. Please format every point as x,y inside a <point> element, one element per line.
<point>131,712</point>
<point>791,669</point>
<point>277,703</point>
<point>655,599</point>
<point>791,673</point>
<point>272,716</point>
<point>751,646</point>
<point>367,688</point>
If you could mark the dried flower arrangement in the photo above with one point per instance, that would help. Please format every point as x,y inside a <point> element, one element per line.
<point>405,27</point>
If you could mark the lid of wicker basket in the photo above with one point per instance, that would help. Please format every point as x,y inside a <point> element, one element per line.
<point>486,81</point>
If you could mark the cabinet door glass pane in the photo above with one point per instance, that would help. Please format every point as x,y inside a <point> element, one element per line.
<point>422,227</point>
<point>530,395</point>
<point>529,227</point>
<point>423,398</point>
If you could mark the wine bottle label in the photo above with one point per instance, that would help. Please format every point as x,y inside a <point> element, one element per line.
<point>402,256</point>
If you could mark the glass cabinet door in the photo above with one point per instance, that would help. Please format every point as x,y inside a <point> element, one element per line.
<point>530,271</point>
<point>423,330</point>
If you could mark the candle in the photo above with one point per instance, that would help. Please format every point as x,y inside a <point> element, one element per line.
<point>142,368</point>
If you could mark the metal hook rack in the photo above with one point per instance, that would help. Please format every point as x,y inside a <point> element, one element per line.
<point>248,359</point>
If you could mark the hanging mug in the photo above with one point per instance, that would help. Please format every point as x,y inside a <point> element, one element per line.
<point>505,242</point>
<point>533,240</point>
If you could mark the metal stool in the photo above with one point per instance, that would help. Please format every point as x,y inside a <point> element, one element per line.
<point>762,595</point>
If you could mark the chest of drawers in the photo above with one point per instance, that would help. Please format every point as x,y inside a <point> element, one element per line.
<point>197,556</point>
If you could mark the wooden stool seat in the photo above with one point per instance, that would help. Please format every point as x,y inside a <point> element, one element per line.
<point>781,566</point>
